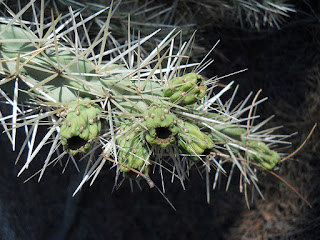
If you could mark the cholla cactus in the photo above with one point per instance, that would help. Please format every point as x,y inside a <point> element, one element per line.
<point>139,113</point>
<point>142,16</point>
<point>261,13</point>
<point>249,13</point>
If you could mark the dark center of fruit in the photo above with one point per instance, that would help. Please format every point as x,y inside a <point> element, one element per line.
<point>163,133</point>
<point>76,142</point>
<point>199,81</point>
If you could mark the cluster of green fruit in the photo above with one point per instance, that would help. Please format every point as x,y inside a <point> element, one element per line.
<point>162,128</point>
<point>71,81</point>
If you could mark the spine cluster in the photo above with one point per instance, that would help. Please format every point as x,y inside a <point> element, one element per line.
<point>138,113</point>
<point>161,124</point>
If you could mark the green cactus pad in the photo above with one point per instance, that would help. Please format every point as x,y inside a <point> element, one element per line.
<point>81,125</point>
<point>21,45</point>
<point>186,89</point>
<point>71,74</point>
<point>161,124</point>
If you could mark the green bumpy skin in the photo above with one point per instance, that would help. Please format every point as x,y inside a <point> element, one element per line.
<point>186,89</point>
<point>133,151</point>
<point>81,125</point>
<point>266,157</point>
<point>161,125</point>
<point>192,140</point>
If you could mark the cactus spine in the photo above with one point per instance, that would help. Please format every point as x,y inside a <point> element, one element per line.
<point>151,114</point>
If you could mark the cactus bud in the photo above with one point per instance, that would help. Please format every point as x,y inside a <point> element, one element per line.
<point>77,132</point>
<point>161,125</point>
<point>192,140</point>
<point>265,157</point>
<point>186,89</point>
<point>133,151</point>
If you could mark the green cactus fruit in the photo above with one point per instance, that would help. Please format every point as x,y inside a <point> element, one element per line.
<point>161,124</point>
<point>192,140</point>
<point>265,157</point>
<point>81,125</point>
<point>186,89</point>
<point>133,149</point>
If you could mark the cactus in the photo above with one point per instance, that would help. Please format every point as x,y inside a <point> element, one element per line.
<point>151,112</point>
<point>81,126</point>
<point>186,89</point>
<point>192,140</point>
<point>161,124</point>
<point>266,157</point>
<point>54,74</point>
<point>133,150</point>
<point>250,13</point>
